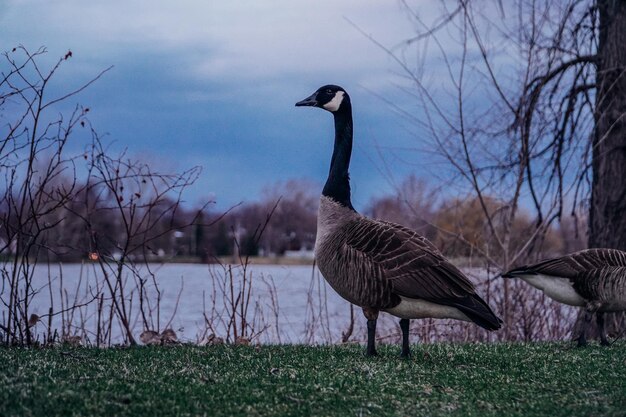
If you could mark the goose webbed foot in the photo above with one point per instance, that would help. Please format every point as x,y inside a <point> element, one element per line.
<point>406,350</point>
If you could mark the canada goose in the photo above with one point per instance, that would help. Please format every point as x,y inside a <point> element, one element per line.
<point>594,279</point>
<point>378,265</point>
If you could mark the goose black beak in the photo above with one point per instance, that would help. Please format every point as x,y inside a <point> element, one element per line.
<point>309,101</point>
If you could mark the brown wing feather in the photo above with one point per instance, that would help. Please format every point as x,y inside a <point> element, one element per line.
<point>414,265</point>
<point>604,284</point>
<point>574,264</point>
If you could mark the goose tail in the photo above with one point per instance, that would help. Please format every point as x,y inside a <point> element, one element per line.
<point>477,310</point>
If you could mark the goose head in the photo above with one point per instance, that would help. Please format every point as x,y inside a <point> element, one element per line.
<point>329,97</point>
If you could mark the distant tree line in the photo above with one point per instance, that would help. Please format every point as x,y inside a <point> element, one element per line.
<point>456,225</point>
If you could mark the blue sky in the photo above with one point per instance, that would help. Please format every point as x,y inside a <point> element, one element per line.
<point>214,84</point>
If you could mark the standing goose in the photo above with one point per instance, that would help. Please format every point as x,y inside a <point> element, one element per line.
<point>377,265</point>
<point>594,279</point>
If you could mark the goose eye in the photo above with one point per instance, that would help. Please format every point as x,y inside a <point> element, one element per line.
<point>329,91</point>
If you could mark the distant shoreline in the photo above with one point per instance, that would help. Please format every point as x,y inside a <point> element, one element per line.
<point>252,260</point>
<point>267,260</point>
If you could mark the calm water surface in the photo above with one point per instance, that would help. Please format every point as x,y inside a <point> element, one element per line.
<point>286,304</point>
<point>290,304</point>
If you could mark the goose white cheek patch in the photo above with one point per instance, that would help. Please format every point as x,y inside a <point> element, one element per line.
<point>333,105</point>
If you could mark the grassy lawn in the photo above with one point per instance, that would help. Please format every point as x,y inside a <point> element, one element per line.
<point>551,379</point>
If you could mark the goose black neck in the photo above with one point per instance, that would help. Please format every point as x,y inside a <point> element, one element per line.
<point>338,183</point>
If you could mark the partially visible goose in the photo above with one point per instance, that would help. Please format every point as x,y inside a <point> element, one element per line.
<point>377,265</point>
<point>594,279</point>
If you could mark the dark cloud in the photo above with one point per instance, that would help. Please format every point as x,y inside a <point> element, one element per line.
<point>215,85</point>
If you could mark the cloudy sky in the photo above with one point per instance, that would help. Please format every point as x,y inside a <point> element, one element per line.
<point>214,84</point>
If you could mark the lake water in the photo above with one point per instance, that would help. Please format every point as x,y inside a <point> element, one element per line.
<point>286,304</point>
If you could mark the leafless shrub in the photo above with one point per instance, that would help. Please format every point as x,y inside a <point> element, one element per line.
<point>317,319</point>
<point>145,205</point>
<point>35,165</point>
<point>117,216</point>
<point>234,312</point>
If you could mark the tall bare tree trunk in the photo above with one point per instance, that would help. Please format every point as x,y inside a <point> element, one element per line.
<point>608,194</point>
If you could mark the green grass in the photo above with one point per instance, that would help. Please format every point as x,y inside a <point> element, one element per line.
<point>551,379</point>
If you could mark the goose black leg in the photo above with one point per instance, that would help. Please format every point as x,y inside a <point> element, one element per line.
<point>404,326</point>
<point>371,338</point>
<point>371,315</point>
<point>582,339</point>
<point>600,321</point>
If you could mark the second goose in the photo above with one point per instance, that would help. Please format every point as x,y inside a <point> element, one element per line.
<point>377,265</point>
<point>594,279</point>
